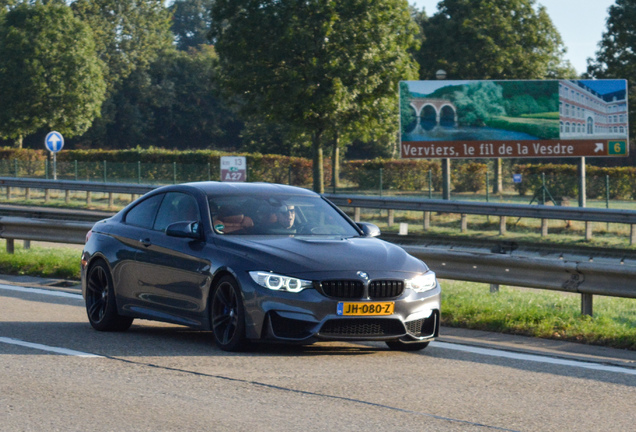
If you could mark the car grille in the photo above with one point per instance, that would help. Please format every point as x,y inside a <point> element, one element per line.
<point>354,289</point>
<point>385,289</point>
<point>362,327</point>
<point>346,289</point>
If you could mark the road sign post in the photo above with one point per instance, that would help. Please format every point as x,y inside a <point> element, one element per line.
<point>54,142</point>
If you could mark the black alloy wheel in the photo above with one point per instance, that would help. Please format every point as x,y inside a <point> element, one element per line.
<point>403,346</point>
<point>100,300</point>
<point>227,315</point>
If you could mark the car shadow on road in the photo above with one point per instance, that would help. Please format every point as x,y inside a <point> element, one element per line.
<point>151,339</point>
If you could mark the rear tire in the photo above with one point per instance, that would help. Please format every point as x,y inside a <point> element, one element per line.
<point>100,300</point>
<point>403,346</point>
<point>227,315</point>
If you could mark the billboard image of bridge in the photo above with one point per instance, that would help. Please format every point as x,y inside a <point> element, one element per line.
<point>533,118</point>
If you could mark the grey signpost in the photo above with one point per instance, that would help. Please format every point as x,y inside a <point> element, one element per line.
<point>54,142</point>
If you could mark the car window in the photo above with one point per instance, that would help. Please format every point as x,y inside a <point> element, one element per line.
<point>176,207</point>
<point>277,215</point>
<point>143,214</point>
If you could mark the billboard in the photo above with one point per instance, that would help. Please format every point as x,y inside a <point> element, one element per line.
<point>513,119</point>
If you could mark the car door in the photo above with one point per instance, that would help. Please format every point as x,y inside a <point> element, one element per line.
<point>136,224</point>
<point>171,271</point>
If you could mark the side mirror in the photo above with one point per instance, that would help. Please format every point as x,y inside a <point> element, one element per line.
<point>184,229</point>
<point>369,229</point>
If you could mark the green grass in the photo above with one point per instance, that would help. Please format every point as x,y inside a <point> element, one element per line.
<point>62,262</point>
<point>545,115</point>
<point>540,127</point>
<point>539,313</point>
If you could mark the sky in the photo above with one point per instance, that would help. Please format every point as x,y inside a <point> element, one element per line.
<point>581,24</point>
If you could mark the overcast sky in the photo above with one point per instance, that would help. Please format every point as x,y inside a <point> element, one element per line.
<point>581,24</point>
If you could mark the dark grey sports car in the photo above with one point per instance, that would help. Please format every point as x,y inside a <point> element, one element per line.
<point>255,261</point>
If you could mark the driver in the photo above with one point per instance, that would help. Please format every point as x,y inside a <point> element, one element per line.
<point>285,217</point>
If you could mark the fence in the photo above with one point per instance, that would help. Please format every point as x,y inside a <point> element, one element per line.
<point>423,179</point>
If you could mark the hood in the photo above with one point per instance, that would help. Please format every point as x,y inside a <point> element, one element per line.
<point>301,255</point>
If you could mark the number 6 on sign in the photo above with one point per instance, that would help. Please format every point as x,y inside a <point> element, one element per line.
<point>617,147</point>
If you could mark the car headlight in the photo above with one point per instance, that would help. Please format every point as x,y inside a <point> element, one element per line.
<point>278,282</point>
<point>422,282</point>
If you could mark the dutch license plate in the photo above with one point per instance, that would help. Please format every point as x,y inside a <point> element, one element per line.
<point>367,308</point>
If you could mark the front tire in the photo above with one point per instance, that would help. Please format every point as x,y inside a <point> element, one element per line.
<point>100,300</point>
<point>227,315</point>
<point>403,346</point>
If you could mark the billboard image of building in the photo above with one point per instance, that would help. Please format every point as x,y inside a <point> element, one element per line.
<point>540,118</point>
<point>593,108</point>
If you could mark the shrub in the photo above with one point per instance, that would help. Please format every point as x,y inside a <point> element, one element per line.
<point>562,181</point>
<point>469,177</point>
<point>402,174</point>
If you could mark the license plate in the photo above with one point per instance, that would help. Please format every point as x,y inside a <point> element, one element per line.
<point>367,308</point>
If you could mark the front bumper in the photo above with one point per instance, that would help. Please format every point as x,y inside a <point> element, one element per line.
<point>311,316</point>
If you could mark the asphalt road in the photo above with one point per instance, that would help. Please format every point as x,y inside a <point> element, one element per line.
<point>159,377</point>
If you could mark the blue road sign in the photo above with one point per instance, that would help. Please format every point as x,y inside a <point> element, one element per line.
<point>516,178</point>
<point>54,141</point>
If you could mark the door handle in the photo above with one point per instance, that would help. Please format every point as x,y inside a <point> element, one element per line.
<point>146,242</point>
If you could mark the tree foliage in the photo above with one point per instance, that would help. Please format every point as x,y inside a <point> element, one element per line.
<point>478,101</point>
<point>50,75</point>
<point>129,34</point>
<point>492,39</point>
<point>616,57</point>
<point>174,103</point>
<point>191,21</point>
<point>315,66</point>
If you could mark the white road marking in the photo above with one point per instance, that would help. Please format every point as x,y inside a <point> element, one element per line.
<point>533,358</point>
<point>41,347</point>
<point>40,291</point>
<point>443,345</point>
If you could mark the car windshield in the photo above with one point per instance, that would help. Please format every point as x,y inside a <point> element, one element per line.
<point>277,215</point>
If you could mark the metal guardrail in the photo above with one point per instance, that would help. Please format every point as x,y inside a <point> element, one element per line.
<point>560,269</point>
<point>71,185</point>
<point>34,212</point>
<point>57,231</point>
<point>490,209</point>
<point>566,270</point>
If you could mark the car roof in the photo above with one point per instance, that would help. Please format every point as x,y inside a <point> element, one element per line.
<point>227,188</point>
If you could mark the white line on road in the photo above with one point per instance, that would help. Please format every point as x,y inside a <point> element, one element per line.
<point>41,347</point>
<point>533,358</point>
<point>443,345</point>
<point>40,291</point>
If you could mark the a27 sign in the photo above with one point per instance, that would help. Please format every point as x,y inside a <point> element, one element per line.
<point>233,169</point>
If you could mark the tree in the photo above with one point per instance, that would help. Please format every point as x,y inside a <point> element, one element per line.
<point>191,21</point>
<point>129,34</point>
<point>173,103</point>
<point>478,101</point>
<point>319,67</point>
<point>492,39</point>
<point>50,75</point>
<point>616,57</point>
